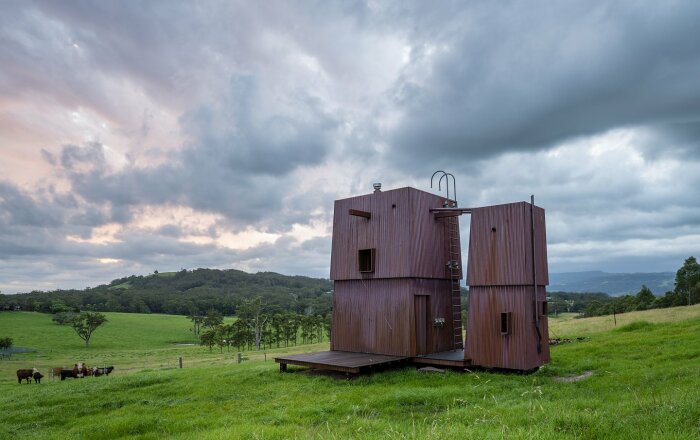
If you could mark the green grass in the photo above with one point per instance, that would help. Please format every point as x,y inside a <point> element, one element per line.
<point>645,382</point>
<point>130,341</point>
<point>566,325</point>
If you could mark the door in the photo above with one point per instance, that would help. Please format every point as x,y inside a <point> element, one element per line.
<point>421,306</point>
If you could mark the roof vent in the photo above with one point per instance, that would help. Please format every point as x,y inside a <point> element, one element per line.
<point>377,187</point>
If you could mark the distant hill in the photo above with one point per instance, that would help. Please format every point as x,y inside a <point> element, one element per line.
<point>185,292</point>
<point>611,283</point>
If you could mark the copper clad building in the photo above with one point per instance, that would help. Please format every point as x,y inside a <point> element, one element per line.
<point>396,266</point>
<point>506,327</point>
<point>392,285</point>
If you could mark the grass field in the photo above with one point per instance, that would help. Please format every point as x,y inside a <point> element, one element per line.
<point>644,382</point>
<point>567,325</point>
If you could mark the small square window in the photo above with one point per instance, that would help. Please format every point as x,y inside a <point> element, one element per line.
<point>366,260</point>
<point>505,323</point>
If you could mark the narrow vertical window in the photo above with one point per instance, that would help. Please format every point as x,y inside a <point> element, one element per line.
<point>505,323</point>
<point>544,308</point>
<point>366,260</point>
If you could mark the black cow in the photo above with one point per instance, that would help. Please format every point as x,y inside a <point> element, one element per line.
<point>100,371</point>
<point>66,373</point>
<point>37,377</point>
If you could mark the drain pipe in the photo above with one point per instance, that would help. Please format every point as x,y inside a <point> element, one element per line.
<point>536,315</point>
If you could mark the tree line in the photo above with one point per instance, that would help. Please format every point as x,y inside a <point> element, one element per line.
<point>178,293</point>
<point>256,327</point>
<point>685,292</point>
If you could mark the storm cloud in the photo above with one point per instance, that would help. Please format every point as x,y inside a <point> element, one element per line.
<point>168,135</point>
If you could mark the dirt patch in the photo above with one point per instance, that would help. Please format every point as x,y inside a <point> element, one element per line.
<point>580,377</point>
<point>558,341</point>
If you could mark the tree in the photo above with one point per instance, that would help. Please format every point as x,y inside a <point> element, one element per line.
<point>328,321</point>
<point>197,320</point>
<point>5,343</point>
<point>227,334</point>
<point>645,298</point>
<point>83,323</point>
<point>291,328</point>
<point>687,278</point>
<point>254,313</point>
<point>63,318</point>
<point>277,323</point>
<point>208,338</point>
<point>240,334</point>
<point>213,319</point>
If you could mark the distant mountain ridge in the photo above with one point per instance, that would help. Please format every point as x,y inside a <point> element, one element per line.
<point>611,283</point>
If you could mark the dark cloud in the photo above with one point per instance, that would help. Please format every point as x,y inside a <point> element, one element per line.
<point>515,77</point>
<point>18,208</point>
<point>237,162</point>
<point>277,109</point>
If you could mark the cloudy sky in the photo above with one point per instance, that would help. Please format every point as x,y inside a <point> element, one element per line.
<point>140,136</point>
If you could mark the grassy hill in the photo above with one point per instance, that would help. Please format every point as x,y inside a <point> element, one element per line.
<point>644,377</point>
<point>185,292</point>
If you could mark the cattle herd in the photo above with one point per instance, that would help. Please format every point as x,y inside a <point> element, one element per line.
<point>79,370</point>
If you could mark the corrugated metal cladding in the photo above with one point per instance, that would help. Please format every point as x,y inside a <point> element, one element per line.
<point>391,316</point>
<point>500,246</point>
<point>391,310</point>
<point>517,349</point>
<point>409,241</point>
<point>499,275</point>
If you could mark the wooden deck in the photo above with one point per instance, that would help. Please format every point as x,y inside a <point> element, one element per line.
<point>452,358</point>
<point>343,361</point>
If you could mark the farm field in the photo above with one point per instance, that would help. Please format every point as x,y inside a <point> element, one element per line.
<point>641,381</point>
<point>130,341</point>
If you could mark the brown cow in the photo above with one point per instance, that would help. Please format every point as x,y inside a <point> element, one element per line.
<point>79,370</point>
<point>55,372</point>
<point>26,374</point>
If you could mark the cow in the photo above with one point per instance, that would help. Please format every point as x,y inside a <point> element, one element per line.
<point>55,372</point>
<point>26,374</point>
<point>66,373</point>
<point>79,370</point>
<point>100,371</point>
<point>37,377</point>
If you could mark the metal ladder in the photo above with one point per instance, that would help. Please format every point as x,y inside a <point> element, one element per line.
<point>453,257</point>
<point>453,264</point>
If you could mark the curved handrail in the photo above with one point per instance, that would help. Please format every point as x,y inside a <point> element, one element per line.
<point>446,176</point>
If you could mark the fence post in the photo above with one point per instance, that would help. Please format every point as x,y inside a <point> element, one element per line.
<point>238,357</point>
<point>180,361</point>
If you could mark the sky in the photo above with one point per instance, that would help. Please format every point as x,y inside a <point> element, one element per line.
<point>164,135</point>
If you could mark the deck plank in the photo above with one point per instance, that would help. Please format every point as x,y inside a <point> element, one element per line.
<point>344,361</point>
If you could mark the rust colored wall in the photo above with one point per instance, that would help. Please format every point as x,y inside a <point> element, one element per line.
<point>500,280</point>
<point>409,241</point>
<point>503,257</point>
<point>486,346</point>
<point>378,316</point>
